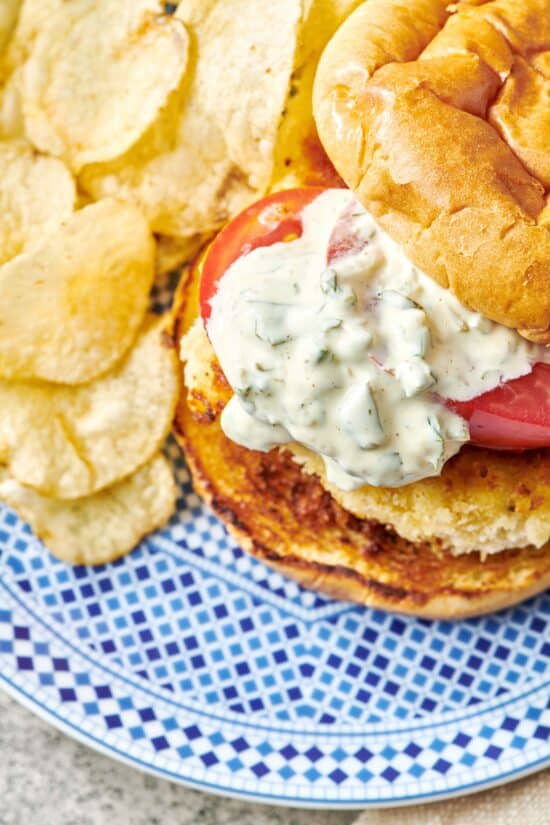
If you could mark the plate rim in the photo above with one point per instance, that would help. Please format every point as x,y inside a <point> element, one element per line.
<point>25,693</point>
<point>77,734</point>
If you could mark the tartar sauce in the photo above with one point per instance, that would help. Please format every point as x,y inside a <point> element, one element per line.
<point>350,359</point>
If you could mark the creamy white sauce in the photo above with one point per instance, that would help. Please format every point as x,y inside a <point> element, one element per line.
<point>349,360</point>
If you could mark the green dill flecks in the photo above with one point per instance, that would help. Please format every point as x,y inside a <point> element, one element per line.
<point>396,299</point>
<point>262,385</point>
<point>331,323</point>
<point>358,416</point>
<point>390,464</point>
<point>312,413</point>
<point>414,376</point>
<point>329,281</point>
<point>435,427</point>
<point>322,355</point>
<point>494,373</point>
<point>271,325</point>
<point>271,334</point>
<point>268,303</point>
<point>458,429</point>
<point>423,342</point>
<point>245,397</point>
<point>349,296</point>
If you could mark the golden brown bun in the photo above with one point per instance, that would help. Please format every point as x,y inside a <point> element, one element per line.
<point>438,116</point>
<point>285,517</point>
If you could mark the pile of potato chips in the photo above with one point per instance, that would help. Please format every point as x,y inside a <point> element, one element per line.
<point>87,385</point>
<point>128,136</point>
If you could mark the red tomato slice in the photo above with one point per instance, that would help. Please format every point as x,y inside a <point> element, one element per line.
<point>273,219</point>
<point>514,416</point>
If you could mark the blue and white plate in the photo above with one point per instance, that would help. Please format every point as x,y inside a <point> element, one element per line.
<point>191,660</point>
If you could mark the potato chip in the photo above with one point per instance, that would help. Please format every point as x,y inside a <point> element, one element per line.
<point>9,9</point>
<point>11,108</point>
<point>102,527</point>
<point>97,76</point>
<point>37,194</point>
<point>71,307</point>
<point>198,166</point>
<point>173,253</point>
<point>33,15</point>
<point>69,442</point>
<point>299,158</point>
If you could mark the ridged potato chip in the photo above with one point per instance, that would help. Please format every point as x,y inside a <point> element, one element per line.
<point>102,527</point>
<point>69,442</point>
<point>71,306</point>
<point>207,158</point>
<point>37,194</point>
<point>97,76</point>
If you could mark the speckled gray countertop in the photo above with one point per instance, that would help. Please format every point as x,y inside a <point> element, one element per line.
<point>48,779</point>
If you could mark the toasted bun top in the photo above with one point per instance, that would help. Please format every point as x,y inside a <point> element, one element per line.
<point>438,116</point>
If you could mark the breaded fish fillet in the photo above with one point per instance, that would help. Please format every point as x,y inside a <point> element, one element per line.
<point>392,548</point>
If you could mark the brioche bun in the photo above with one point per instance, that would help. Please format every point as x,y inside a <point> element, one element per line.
<point>438,116</point>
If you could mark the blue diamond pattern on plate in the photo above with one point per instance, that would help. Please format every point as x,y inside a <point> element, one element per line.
<point>191,659</point>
